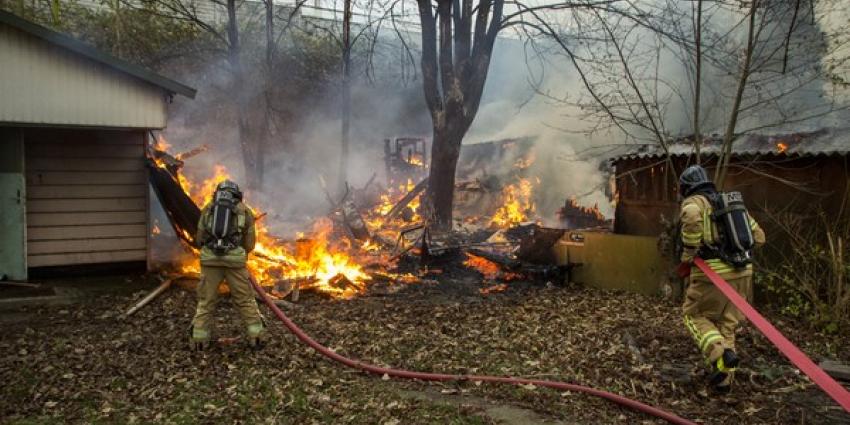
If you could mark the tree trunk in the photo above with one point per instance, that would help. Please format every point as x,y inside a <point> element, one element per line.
<point>453,77</point>
<point>243,137</point>
<point>55,12</point>
<point>270,42</point>
<point>726,151</point>
<point>346,97</point>
<point>445,150</point>
<point>265,132</point>
<point>698,81</point>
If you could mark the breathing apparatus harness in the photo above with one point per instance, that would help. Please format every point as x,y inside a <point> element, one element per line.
<point>733,242</point>
<point>223,220</point>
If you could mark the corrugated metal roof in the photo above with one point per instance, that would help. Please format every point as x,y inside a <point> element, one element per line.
<point>824,142</point>
<point>81,48</point>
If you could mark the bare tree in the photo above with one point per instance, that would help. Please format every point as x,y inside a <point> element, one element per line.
<point>729,137</point>
<point>457,44</point>
<point>618,53</point>
<point>697,78</point>
<point>346,96</point>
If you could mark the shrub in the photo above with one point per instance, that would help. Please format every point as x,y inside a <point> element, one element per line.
<point>811,278</point>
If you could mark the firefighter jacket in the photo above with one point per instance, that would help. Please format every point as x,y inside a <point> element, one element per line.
<point>699,230</point>
<point>236,257</point>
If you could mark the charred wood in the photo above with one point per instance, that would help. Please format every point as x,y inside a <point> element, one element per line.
<point>502,260</point>
<point>180,208</point>
<point>536,247</point>
<point>403,202</point>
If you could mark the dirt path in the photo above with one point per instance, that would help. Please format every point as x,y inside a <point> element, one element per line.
<point>499,412</point>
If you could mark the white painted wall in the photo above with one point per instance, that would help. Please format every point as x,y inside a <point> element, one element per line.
<point>44,84</point>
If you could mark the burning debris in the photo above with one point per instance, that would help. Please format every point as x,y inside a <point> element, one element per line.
<point>405,158</point>
<point>316,264</point>
<point>370,231</point>
<point>490,270</point>
<point>574,216</point>
<point>518,204</point>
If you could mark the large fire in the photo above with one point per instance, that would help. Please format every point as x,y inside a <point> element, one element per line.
<point>518,204</point>
<point>328,258</point>
<point>324,266</point>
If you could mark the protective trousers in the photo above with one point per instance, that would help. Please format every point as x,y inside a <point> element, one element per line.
<point>710,317</point>
<point>241,293</point>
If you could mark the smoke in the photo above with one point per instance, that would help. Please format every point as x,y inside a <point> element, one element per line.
<point>302,157</point>
<point>519,101</point>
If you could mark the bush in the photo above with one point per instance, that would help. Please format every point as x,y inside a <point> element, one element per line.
<point>811,278</point>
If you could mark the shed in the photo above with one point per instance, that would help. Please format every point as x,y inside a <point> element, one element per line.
<point>802,173</point>
<point>74,122</point>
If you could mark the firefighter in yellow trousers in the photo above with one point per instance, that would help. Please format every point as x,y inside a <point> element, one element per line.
<point>716,227</point>
<point>226,235</point>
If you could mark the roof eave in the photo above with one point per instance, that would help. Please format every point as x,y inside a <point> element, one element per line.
<point>70,43</point>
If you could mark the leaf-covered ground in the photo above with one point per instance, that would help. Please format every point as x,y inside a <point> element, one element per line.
<point>85,364</point>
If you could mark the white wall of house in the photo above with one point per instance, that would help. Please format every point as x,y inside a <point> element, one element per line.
<point>46,84</point>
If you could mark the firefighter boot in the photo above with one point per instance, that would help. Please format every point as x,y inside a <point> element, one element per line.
<point>722,371</point>
<point>257,335</point>
<point>199,340</point>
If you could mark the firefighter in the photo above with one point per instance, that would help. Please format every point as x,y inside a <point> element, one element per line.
<point>226,235</point>
<point>708,314</point>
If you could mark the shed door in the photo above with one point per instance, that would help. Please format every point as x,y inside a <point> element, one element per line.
<point>86,197</point>
<point>12,230</point>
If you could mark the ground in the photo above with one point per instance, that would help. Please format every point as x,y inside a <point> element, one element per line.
<point>84,363</point>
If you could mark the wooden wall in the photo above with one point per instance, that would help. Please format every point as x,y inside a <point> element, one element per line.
<point>800,185</point>
<point>86,196</point>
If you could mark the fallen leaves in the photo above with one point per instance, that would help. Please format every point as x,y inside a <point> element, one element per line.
<point>138,370</point>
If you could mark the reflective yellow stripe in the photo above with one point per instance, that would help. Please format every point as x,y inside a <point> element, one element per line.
<point>753,224</point>
<point>722,366</point>
<point>719,267</point>
<point>689,323</point>
<point>708,339</point>
<point>692,238</point>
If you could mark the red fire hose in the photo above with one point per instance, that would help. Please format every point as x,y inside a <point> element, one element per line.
<point>425,376</point>
<point>816,374</point>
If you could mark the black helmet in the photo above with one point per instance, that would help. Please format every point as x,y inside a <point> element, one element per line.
<point>229,186</point>
<point>692,179</point>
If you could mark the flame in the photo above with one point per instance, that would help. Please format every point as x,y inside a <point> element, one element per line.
<point>416,160</point>
<point>376,218</point>
<point>155,231</point>
<point>518,204</point>
<point>500,287</point>
<point>161,144</point>
<point>781,147</point>
<point>203,194</point>
<point>489,269</point>
<point>319,264</point>
<point>591,211</point>
<point>370,246</point>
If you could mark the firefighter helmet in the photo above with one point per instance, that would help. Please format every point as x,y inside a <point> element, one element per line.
<point>692,179</point>
<point>229,186</point>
